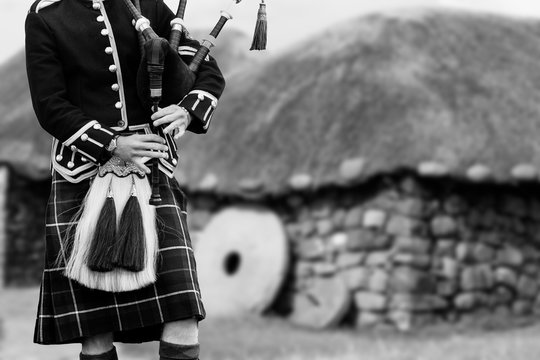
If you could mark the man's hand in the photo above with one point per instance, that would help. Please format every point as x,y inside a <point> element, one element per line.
<point>177,117</point>
<point>135,147</point>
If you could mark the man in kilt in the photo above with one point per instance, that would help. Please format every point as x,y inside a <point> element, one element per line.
<point>82,62</point>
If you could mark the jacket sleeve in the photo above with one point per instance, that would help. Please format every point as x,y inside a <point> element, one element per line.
<point>56,114</point>
<point>203,98</point>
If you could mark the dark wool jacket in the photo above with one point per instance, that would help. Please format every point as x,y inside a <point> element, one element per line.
<point>82,58</point>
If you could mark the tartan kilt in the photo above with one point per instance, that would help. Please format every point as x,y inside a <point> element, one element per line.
<point>68,311</point>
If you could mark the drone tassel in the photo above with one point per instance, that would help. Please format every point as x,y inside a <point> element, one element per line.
<point>259,38</point>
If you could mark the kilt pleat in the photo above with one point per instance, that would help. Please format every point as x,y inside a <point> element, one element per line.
<point>68,311</point>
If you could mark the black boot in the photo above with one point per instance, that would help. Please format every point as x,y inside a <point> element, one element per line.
<point>169,351</point>
<point>109,355</point>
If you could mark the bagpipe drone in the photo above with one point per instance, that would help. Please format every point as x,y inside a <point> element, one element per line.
<point>119,253</point>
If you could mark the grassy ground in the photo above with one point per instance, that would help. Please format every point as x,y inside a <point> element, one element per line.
<point>269,339</point>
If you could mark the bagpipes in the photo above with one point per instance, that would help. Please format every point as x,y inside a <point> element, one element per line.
<point>119,253</point>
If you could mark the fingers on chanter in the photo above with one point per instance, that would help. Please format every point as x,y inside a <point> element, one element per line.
<point>152,138</point>
<point>152,154</point>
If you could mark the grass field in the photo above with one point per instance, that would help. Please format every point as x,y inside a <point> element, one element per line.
<point>256,338</point>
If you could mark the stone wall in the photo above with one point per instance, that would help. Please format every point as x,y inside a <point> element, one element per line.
<point>25,230</point>
<point>411,251</point>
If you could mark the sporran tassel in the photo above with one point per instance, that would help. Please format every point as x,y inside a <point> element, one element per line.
<point>130,253</point>
<point>260,35</point>
<point>104,239</point>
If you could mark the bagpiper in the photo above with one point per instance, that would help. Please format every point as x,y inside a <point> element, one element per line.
<point>116,267</point>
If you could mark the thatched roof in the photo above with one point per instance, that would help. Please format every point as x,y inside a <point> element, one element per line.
<point>26,147</point>
<point>437,92</point>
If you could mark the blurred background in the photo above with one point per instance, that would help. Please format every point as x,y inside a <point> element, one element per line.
<point>368,188</point>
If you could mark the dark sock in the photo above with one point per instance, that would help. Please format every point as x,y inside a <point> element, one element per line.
<point>109,355</point>
<point>170,351</point>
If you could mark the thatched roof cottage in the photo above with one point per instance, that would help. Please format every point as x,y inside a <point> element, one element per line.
<point>383,172</point>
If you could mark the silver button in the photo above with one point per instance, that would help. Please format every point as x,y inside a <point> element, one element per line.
<point>59,157</point>
<point>174,161</point>
<point>118,105</point>
<point>214,103</point>
<point>105,32</point>
<point>200,97</point>
<point>108,50</point>
<point>97,126</point>
<point>84,137</point>
<point>73,148</point>
<point>121,123</point>
<point>71,164</point>
<point>115,87</point>
<point>83,159</point>
<point>100,18</point>
<point>112,68</point>
<point>96,6</point>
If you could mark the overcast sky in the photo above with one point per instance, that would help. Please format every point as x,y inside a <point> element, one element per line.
<point>289,20</point>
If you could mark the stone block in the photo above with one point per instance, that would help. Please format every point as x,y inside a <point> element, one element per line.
<point>478,277</point>
<point>519,226</point>
<point>506,276</point>
<point>410,244</point>
<point>449,268</point>
<point>324,269</point>
<point>294,201</point>
<point>406,226</point>
<point>324,227</point>
<point>527,287</point>
<point>354,217</point>
<point>446,288</point>
<point>198,219</point>
<point>410,185</point>
<point>412,207</point>
<point>493,238</point>
<point>378,258</point>
<point>522,307</point>
<point>408,280</point>
<point>378,281</point>
<point>502,295</point>
<point>483,253</point>
<point>421,261</point>
<point>311,249</point>
<point>347,259</point>
<point>444,226</point>
<point>417,303</point>
<point>338,242</point>
<point>445,247</point>
<point>534,209</point>
<point>514,205</point>
<point>374,219</point>
<point>465,252</point>
<point>369,301</point>
<point>532,269</point>
<point>306,228</point>
<point>467,301</point>
<point>338,218</point>
<point>365,240</point>
<point>510,256</point>
<point>366,319</point>
<point>355,278</point>
<point>303,269</point>
<point>402,319</point>
<point>321,209</point>
<point>455,205</point>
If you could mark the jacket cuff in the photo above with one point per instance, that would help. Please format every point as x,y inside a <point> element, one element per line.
<point>201,105</point>
<point>91,141</point>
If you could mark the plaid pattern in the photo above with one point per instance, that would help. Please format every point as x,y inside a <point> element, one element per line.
<point>68,311</point>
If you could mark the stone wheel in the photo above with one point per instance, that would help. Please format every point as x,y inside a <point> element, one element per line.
<point>321,304</point>
<point>242,258</point>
